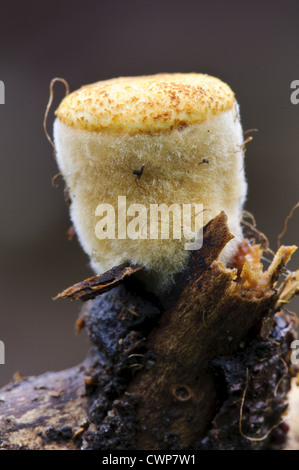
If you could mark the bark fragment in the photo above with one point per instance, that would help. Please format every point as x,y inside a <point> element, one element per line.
<point>99,284</point>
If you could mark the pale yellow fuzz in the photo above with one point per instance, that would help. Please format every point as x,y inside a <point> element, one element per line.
<point>98,158</point>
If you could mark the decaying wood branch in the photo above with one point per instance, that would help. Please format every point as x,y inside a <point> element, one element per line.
<point>43,412</point>
<point>206,366</point>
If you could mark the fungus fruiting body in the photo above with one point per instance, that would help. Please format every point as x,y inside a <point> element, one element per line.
<point>160,139</point>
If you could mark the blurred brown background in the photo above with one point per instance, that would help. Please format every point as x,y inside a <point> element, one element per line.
<point>253,46</point>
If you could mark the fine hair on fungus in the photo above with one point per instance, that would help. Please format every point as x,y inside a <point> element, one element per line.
<point>160,139</point>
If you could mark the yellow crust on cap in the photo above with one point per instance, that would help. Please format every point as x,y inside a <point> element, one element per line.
<point>146,104</point>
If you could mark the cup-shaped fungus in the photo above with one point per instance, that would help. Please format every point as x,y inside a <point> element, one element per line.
<point>134,144</point>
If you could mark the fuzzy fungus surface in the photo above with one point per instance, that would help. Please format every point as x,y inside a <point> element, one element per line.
<point>160,139</point>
